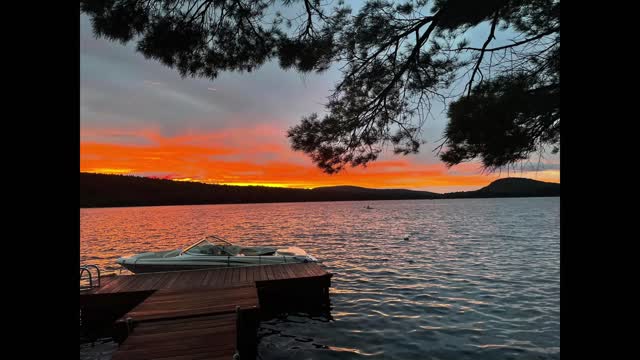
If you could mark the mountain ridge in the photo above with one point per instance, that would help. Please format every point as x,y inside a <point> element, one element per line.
<point>103,190</point>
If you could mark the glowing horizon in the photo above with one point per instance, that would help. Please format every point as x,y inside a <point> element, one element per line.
<point>216,158</point>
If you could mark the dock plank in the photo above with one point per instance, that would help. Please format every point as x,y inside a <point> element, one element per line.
<point>165,304</point>
<point>270,273</point>
<point>209,337</point>
<point>291,270</point>
<point>301,271</point>
<point>263,273</point>
<point>210,278</point>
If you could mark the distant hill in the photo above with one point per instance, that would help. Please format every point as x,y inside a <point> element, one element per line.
<point>510,187</point>
<point>385,193</point>
<point>100,190</point>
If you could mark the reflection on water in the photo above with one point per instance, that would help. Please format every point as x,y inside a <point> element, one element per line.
<point>474,278</point>
<point>101,349</point>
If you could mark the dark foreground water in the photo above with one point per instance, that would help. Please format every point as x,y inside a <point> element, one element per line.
<point>476,279</point>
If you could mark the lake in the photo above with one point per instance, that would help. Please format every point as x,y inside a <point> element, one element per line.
<point>475,279</point>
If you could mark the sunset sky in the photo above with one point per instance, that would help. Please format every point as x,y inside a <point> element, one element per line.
<point>139,117</point>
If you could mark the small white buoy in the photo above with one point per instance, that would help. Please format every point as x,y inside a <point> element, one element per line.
<point>406,237</point>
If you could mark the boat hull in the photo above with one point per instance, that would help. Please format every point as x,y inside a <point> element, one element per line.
<point>146,265</point>
<point>146,268</point>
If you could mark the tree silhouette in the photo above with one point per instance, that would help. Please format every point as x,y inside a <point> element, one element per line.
<point>396,60</point>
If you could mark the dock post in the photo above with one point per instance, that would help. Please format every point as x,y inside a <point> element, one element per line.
<point>247,333</point>
<point>121,329</point>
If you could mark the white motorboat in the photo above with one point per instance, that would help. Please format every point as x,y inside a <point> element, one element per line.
<point>213,252</point>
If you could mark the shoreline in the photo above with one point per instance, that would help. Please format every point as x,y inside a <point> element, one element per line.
<point>315,201</point>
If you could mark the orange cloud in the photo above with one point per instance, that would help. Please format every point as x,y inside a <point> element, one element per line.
<point>259,156</point>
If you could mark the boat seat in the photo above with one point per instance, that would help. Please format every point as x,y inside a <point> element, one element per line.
<point>257,251</point>
<point>232,250</point>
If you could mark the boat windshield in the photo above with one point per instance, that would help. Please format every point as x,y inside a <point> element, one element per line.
<point>211,245</point>
<point>215,240</point>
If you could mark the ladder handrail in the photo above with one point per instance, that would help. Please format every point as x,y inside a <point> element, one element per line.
<point>86,268</point>
<point>97,270</point>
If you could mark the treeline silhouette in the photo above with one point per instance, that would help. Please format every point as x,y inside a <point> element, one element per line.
<point>101,190</point>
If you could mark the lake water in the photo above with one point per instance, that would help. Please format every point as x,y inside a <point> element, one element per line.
<point>476,279</point>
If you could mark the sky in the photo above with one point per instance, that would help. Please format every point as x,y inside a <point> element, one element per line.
<point>139,117</point>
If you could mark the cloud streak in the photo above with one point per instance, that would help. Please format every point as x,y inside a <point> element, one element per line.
<point>216,158</point>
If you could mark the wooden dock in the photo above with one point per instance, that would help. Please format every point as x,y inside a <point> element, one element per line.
<point>201,314</point>
<point>211,278</point>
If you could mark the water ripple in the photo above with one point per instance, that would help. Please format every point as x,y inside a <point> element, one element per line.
<point>477,278</point>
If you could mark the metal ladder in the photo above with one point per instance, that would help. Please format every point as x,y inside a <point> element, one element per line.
<point>88,271</point>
